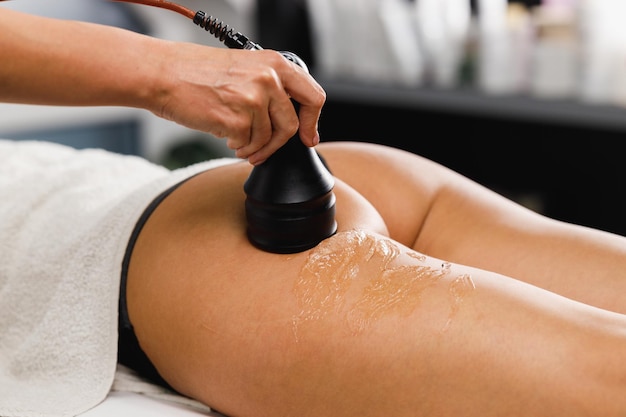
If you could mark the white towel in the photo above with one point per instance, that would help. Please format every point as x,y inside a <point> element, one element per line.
<point>65,220</point>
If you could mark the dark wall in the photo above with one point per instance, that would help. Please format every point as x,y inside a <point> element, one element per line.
<point>574,172</point>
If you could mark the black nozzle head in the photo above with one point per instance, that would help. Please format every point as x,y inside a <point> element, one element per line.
<point>290,204</point>
<point>290,228</point>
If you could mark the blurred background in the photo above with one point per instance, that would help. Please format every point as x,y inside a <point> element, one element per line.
<point>527,97</point>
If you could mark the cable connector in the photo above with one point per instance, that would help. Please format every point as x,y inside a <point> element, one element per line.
<point>225,34</point>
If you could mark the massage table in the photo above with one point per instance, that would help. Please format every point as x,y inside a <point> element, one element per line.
<point>131,404</point>
<point>132,396</point>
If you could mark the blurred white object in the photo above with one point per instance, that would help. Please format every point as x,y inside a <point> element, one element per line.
<point>407,65</point>
<point>359,34</point>
<point>322,17</point>
<point>443,26</point>
<point>365,40</point>
<point>521,46</point>
<point>556,63</point>
<point>493,47</point>
<point>603,31</point>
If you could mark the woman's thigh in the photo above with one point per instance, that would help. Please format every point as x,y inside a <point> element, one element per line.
<point>436,211</point>
<point>202,298</point>
<point>360,325</point>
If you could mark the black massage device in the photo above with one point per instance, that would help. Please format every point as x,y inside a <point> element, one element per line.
<point>290,204</point>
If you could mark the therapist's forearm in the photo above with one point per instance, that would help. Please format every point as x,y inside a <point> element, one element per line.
<point>49,61</point>
<point>240,95</point>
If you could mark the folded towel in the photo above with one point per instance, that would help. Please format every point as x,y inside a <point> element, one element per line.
<point>65,220</point>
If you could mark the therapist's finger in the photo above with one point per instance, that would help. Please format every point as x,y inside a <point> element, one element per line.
<point>309,119</point>
<point>259,134</point>
<point>284,124</point>
<point>311,98</point>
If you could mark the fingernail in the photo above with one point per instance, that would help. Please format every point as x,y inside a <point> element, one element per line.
<point>316,139</point>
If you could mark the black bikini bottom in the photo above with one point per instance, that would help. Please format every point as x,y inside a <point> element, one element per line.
<point>129,352</point>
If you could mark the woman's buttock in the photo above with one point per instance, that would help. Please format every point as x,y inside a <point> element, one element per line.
<point>194,279</point>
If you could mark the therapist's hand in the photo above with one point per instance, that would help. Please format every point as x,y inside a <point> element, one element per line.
<point>240,95</point>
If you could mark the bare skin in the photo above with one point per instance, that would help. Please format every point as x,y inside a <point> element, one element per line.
<point>471,324</point>
<point>254,334</point>
<point>217,90</point>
